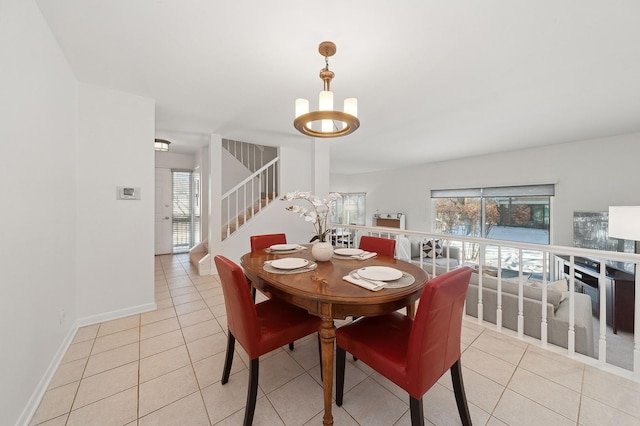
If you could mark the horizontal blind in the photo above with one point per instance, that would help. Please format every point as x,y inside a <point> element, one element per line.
<point>496,191</point>
<point>182,211</point>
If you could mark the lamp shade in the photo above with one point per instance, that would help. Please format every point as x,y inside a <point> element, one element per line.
<point>624,222</point>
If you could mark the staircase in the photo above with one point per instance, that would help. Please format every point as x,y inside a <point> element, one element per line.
<point>245,200</point>
<point>243,217</point>
<point>200,258</point>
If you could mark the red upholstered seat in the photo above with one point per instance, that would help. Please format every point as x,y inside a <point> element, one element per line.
<point>382,246</point>
<point>413,354</point>
<point>259,328</point>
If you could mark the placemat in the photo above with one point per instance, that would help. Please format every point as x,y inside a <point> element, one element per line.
<point>404,281</point>
<point>310,267</point>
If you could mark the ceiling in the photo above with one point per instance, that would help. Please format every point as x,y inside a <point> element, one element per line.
<point>435,79</point>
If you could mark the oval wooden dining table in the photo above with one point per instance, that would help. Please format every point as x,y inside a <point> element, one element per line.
<point>324,293</point>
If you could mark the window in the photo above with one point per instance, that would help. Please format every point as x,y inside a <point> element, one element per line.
<point>512,213</point>
<point>350,209</point>
<point>182,211</point>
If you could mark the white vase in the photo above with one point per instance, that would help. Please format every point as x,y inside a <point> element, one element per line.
<point>322,252</point>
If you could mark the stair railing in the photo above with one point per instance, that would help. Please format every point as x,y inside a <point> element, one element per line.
<point>249,155</point>
<point>248,197</point>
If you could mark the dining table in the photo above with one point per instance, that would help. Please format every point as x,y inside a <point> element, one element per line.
<point>322,290</point>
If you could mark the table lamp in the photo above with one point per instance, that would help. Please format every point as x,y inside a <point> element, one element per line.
<point>624,223</point>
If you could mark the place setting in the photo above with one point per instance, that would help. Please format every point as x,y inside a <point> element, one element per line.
<point>284,248</point>
<point>376,278</point>
<point>289,265</point>
<point>353,253</point>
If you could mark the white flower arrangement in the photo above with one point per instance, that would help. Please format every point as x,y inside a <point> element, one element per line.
<point>319,215</point>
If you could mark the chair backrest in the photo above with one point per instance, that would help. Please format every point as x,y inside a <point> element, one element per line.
<point>242,317</point>
<point>382,246</point>
<point>434,343</point>
<point>259,242</point>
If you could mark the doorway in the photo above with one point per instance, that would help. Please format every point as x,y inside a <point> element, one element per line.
<point>163,212</point>
<point>176,219</point>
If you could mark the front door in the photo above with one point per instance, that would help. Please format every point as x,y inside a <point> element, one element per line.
<point>163,212</point>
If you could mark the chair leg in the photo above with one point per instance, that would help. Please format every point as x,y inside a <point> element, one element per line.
<point>458,390</point>
<point>340,362</point>
<point>252,392</point>
<point>291,346</point>
<point>228,359</point>
<point>417,416</point>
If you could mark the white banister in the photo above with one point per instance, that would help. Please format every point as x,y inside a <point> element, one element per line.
<point>244,200</point>
<point>520,297</point>
<point>543,307</point>
<point>499,302</point>
<point>602,290</point>
<point>555,262</point>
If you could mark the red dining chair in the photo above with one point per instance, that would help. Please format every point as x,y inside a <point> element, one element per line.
<point>259,242</point>
<point>413,354</point>
<point>382,246</point>
<point>258,327</point>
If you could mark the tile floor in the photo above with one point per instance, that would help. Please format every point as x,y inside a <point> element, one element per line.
<point>164,367</point>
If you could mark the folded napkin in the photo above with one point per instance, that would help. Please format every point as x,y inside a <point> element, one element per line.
<point>368,284</point>
<point>366,255</point>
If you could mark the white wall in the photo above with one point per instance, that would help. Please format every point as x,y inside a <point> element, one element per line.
<point>115,238</point>
<point>171,160</point>
<point>589,176</point>
<point>37,183</point>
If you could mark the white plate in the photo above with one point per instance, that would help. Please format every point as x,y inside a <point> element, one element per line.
<point>348,251</point>
<point>379,273</point>
<point>283,247</point>
<point>290,263</point>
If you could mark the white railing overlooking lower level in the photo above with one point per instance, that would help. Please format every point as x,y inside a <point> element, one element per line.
<point>248,197</point>
<point>606,320</point>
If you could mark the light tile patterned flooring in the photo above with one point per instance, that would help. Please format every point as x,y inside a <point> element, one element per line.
<point>164,367</point>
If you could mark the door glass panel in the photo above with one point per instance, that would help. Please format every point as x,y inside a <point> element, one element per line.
<point>182,211</point>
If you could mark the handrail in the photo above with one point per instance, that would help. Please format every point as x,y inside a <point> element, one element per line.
<point>249,178</point>
<point>490,254</point>
<point>240,203</point>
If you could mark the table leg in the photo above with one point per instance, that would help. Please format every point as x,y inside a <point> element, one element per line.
<point>327,339</point>
<point>411,310</point>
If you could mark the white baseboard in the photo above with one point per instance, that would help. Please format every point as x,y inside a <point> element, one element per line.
<point>121,313</point>
<point>43,384</point>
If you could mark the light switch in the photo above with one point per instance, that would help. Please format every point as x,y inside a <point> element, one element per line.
<point>128,193</point>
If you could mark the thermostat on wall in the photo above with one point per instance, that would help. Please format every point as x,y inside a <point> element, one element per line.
<point>128,193</point>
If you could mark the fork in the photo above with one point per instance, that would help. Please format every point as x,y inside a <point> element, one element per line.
<point>360,277</point>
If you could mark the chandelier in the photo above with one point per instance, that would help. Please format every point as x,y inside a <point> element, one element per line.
<point>332,123</point>
<point>161,145</point>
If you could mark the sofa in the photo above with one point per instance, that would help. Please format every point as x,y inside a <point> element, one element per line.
<point>557,306</point>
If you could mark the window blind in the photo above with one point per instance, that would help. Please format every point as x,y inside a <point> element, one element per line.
<point>496,191</point>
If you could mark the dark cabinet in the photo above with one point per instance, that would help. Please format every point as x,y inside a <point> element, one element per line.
<point>619,290</point>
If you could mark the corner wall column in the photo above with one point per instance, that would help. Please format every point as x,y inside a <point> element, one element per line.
<point>215,193</point>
